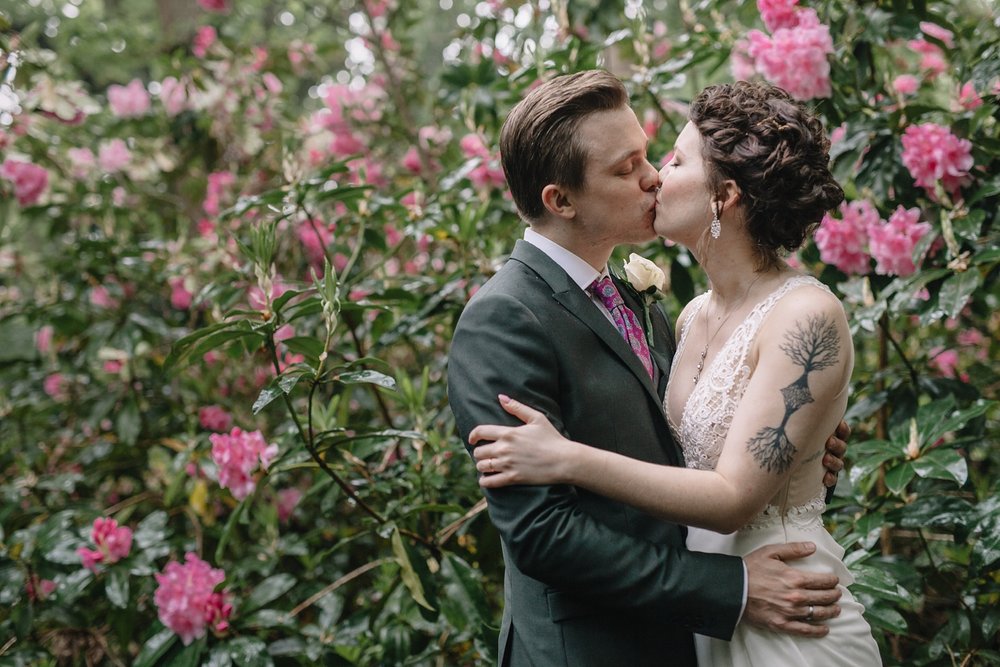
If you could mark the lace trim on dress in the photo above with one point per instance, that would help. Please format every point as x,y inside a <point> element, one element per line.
<point>709,410</point>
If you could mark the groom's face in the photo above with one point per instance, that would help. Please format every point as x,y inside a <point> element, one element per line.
<point>617,203</point>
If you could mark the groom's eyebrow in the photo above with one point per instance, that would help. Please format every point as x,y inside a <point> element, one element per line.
<point>627,155</point>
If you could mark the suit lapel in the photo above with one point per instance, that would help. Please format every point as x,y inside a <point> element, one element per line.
<point>569,294</point>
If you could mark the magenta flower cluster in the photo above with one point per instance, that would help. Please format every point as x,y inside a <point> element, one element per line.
<point>933,154</point>
<point>860,235</point>
<point>113,543</point>
<point>237,455</point>
<point>186,600</point>
<point>794,55</point>
<point>29,180</point>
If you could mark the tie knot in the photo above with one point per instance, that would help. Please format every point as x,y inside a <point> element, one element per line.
<point>605,290</point>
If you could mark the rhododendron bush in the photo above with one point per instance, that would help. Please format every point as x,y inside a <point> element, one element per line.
<point>234,241</point>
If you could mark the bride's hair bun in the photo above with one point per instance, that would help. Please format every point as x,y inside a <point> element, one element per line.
<point>777,153</point>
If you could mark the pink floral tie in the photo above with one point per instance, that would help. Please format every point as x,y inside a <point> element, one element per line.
<point>625,320</point>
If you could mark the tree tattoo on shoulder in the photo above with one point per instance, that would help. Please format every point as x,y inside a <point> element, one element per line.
<point>814,346</point>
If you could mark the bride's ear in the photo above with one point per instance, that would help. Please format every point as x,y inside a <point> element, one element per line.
<point>558,202</point>
<point>727,198</point>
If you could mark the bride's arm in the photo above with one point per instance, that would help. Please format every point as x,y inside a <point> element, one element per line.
<point>795,398</point>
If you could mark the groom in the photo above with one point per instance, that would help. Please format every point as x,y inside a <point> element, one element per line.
<point>590,581</point>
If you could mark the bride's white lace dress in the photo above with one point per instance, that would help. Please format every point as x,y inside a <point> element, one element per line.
<point>794,516</point>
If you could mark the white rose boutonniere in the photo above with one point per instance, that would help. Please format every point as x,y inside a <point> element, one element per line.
<point>649,282</point>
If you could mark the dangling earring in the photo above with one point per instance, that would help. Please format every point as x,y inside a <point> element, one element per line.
<point>716,228</point>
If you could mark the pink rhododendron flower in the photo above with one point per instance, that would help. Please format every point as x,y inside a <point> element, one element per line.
<point>315,236</point>
<point>113,156</point>
<point>945,361</point>
<point>237,455</point>
<point>56,386</point>
<point>185,598</point>
<point>128,101</point>
<point>180,296</point>
<point>741,65</point>
<point>214,5</point>
<point>38,589</point>
<point>411,161</point>
<point>215,418</point>
<point>203,40</point>
<point>838,134</point>
<point>82,162</point>
<point>931,56</point>
<point>173,95</point>
<point>113,366</point>
<point>932,153</point>
<point>284,332</point>
<point>100,297</point>
<point>778,13</point>
<point>968,98</point>
<point>43,339</point>
<point>943,35</point>
<point>29,180</point>
<point>891,243</point>
<point>413,201</point>
<point>473,145</point>
<point>906,84</point>
<point>219,183</point>
<point>795,58</point>
<point>113,543</point>
<point>841,242</point>
<point>288,500</point>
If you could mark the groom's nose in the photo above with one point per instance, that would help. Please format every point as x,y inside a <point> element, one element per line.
<point>650,178</point>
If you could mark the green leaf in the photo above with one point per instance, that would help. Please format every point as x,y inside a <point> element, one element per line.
<point>248,652</point>
<point>956,290</point>
<point>942,463</point>
<point>464,602</point>
<point>190,656</point>
<point>880,584</point>
<point>151,531</point>
<point>986,550</point>
<point>155,647</point>
<point>367,377</point>
<point>227,532</point>
<point>886,618</point>
<point>266,396</point>
<point>898,477</point>
<point>117,587</point>
<point>307,345</point>
<point>128,423</point>
<point>409,576</point>
<point>268,590</point>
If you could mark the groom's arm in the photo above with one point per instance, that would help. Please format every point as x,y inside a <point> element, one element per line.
<point>501,347</point>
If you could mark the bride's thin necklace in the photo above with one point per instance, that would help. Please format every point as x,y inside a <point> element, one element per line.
<point>704,350</point>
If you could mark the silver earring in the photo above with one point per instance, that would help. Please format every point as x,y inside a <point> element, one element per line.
<point>716,228</point>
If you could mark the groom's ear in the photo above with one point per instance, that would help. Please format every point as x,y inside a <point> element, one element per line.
<point>557,202</point>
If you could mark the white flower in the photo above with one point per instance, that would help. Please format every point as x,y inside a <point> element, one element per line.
<point>643,274</point>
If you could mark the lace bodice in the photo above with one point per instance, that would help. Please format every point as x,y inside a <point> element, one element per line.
<point>709,410</point>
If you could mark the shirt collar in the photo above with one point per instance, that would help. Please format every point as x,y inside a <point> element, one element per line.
<point>579,271</point>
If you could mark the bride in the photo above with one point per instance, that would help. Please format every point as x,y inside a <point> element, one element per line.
<point>760,375</point>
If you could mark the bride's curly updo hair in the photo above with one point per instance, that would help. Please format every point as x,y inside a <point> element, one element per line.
<point>776,152</point>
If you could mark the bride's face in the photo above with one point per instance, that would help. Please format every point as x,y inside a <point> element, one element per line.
<point>683,205</point>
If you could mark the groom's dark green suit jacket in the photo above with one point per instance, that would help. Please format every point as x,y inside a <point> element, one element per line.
<point>589,581</point>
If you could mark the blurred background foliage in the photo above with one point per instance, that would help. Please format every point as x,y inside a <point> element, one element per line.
<point>280,236</point>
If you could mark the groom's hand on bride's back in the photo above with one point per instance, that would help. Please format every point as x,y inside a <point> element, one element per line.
<point>833,458</point>
<point>786,599</point>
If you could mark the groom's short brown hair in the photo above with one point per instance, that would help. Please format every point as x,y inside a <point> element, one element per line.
<point>538,141</point>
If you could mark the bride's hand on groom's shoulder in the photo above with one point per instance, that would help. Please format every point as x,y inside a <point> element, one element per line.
<point>535,453</point>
